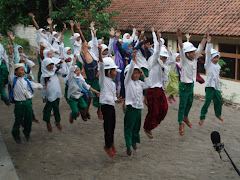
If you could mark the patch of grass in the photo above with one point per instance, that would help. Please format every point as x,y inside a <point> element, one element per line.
<point>19,41</point>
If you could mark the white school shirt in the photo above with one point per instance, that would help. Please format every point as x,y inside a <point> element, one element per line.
<point>213,70</point>
<point>3,56</point>
<point>189,68</point>
<point>134,89</point>
<point>158,70</point>
<point>21,90</point>
<point>141,60</point>
<point>74,91</point>
<point>53,90</point>
<point>108,87</point>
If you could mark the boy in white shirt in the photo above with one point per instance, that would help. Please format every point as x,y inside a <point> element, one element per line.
<point>21,93</point>
<point>188,55</point>
<point>108,71</point>
<point>213,83</point>
<point>134,103</point>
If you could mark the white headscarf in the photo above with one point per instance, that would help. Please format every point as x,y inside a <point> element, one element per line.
<point>42,35</point>
<point>45,53</point>
<point>125,38</point>
<point>45,71</point>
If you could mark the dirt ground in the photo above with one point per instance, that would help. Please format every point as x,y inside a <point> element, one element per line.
<point>77,152</point>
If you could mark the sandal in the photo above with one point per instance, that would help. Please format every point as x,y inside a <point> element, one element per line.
<point>201,124</point>
<point>181,131</point>
<point>188,123</point>
<point>169,101</point>
<point>114,151</point>
<point>149,135</point>
<point>111,154</point>
<point>174,99</point>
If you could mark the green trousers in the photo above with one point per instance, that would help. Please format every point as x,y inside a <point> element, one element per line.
<point>3,80</point>
<point>39,68</point>
<point>48,108</point>
<point>132,125</point>
<point>146,73</point>
<point>76,105</point>
<point>95,85</point>
<point>186,100</point>
<point>23,111</point>
<point>215,95</point>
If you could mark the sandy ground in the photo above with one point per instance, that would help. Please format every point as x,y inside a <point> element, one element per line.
<point>77,152</point>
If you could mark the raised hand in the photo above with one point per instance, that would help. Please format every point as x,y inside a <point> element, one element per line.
<point>64,26</point>
<point>208,32</point>
<point>209,39</point>
<point>179,32</point>
<point>188,36</point>
<point>71,23</point>
<point>92,24</point>
<point>152,29</point>
<point>112,32</point>
<point>142,33</point>
<point>159,33</point>
<point>49,20</point>
<point>31,14</point>
<point>118,33</point>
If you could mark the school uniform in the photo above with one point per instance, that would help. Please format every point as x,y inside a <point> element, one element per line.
<point>212,85</point>
<point>75,95</point>
<point>186,84</point>
<point>134,106</point>
<point>157,102</point>
<point>22,93</point>
<point>53,92</point>
<point>107,100</point>
<point>91,70</point>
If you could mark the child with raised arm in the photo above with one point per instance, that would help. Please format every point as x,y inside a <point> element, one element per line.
<point>213,83</point>
<point>21,93</point>
<point>51,93</point>
<point>77,87</point>
<point>90,67</point>
<point>134,103</point>
<point>108,71</point>
<point>4,67</point>
<point>188,55</point>
<point>156,99</point>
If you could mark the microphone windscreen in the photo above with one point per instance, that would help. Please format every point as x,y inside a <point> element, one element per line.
<point>215,137</point>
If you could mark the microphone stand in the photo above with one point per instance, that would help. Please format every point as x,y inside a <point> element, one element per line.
<point>235,167</point>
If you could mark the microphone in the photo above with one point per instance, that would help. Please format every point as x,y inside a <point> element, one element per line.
<point>216,140</point>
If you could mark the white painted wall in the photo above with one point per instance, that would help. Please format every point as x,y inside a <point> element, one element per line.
<point>28,33</point>
<point>229,88</point>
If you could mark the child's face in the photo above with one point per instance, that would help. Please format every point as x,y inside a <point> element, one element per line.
<point>135,75</point>
<point>20,50</point>
<point>49,54</point>
<point>69,52</point>
<point>78,38</point>
<point>44,32</point>
<point>215,59</point>
<point>19,72</point>
<point>105,52</point>
<point>113,73</point>
<point>55,35</point>
<point>130,46</point>
<point>191,55</point>
<point>99,43</point>
<point>178,58</point>
<point>50,67</point>
<point>1,37</point>
<point>77,71</point>
<point>164,59</point>
<point>22,59</point>
<point>128,36</point>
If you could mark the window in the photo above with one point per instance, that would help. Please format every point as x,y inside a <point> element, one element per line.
<point>227,48</point>
<point>228,69</point>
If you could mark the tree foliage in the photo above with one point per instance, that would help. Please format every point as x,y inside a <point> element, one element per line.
<point>16,12</point>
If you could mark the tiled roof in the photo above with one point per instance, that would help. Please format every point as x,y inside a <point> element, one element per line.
<point>193,16</point>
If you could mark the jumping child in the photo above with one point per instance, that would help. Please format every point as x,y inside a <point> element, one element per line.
<point>213,83</point>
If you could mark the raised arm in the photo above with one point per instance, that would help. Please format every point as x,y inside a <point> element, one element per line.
<point>64,29</point>
<point>11,65</point>
<point>72,26</point>
<point>204,40</point>
<point>34,21</point>
<point>179,34</point>
<point>188,36</point>
<point>49,20</point>
<point>80,32</point>
<point>208,53</point>
<point>111,40</point>
<point>157,50</point>
<point>128,76</point>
